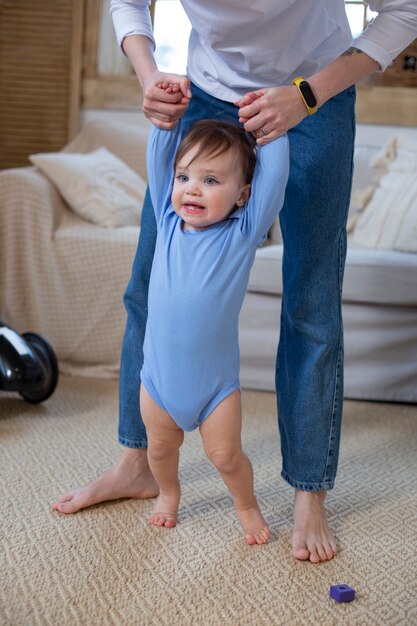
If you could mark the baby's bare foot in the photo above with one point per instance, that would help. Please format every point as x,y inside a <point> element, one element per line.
<point>312,538</point>
<point>165,511</point>
<point>130,478</point>
<point>254,526</point>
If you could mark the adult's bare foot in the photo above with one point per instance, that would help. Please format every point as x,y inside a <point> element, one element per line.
<point>312,538</point>
<point>129,478</point>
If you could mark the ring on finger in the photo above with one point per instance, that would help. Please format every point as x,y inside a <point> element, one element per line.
<point>263,131</point>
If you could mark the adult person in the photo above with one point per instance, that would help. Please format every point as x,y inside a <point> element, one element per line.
<point>246,55</point>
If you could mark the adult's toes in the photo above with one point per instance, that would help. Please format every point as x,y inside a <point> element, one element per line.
<point>328,550</point>
<point>314,556</point>
<point>64,498</point>
<point>301,553</point>
<point>299,548</point>
<point>67,507</point>
<point>321,552</point>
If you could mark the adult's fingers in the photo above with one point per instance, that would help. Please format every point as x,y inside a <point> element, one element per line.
<point>264,136</point>
<point>248,98</point>
<point>153,107</point>
<point>184,84</point>
<point>250,112</point>
<point>255,122</point>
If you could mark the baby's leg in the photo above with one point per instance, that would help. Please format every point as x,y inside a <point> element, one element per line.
<point>164,442</point>
<point>222,444</point>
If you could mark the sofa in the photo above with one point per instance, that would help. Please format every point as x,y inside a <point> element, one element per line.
<point>64,277</point>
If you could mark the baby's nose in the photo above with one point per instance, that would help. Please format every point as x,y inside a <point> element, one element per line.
<point>194,189</point>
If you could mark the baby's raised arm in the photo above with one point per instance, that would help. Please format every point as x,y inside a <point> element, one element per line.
<point>160,154</point>
<point>268,189</point>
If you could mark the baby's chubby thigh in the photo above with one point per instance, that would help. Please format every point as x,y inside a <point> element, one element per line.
<point>163,432</point>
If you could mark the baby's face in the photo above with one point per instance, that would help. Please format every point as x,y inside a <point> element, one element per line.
<point>207,189</point>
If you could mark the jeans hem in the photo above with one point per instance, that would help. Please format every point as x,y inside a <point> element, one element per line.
<point>325,485</point>
<point>129,443</point>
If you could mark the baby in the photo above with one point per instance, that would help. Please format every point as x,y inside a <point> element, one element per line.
<point>210,219</point>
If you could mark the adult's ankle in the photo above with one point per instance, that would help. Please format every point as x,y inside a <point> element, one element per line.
<point>134,456</point>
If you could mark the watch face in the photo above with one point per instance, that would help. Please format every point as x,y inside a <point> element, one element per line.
<point>307,93</point>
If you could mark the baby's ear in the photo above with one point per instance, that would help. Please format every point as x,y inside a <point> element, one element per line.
<point>244,195</point>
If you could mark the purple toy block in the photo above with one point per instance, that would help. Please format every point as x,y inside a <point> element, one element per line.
<point>342,593</point>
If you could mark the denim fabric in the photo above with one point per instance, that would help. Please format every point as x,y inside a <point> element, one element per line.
<point>309,376</point>
<point>310,354</point>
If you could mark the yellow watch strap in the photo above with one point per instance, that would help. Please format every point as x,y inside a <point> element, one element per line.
<point>296,82</point>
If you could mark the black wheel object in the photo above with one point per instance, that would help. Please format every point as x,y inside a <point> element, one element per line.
<point>44,351</point>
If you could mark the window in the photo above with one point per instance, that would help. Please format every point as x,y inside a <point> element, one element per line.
<point>359,15</point>
<point>171,43</point>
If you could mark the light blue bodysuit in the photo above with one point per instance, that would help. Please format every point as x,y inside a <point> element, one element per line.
<point>197,285</point>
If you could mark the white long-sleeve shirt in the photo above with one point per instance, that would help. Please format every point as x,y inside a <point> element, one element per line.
<point>236,46</point>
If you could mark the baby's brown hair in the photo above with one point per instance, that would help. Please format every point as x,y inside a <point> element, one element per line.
<point>216,137</point>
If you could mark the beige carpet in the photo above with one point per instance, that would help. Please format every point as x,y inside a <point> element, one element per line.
<point>108,566</point>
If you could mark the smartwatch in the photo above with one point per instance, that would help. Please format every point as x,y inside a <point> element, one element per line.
<point>306,93</point>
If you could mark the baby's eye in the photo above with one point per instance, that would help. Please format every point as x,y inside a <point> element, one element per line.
<point>182,178</point>
<point>210,180</point>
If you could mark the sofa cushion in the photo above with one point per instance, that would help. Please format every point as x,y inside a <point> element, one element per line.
<point>126,140</point>
<point>98,186</point>
<point>389,218</point>
<point>371,276</point>
<point>363,178</point>
<point>266,273</point>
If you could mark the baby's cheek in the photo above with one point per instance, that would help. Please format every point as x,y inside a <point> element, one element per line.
<point>175,198</point>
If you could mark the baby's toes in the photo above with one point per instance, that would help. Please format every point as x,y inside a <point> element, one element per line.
<point>250,539</point>
<point>262,536</point>
<point>156,520</point>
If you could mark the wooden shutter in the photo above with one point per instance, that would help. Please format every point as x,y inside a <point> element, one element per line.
<point>40,71</point>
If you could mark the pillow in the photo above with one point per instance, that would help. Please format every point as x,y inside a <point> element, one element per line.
<point>98,186</point>
<point>389,218</point>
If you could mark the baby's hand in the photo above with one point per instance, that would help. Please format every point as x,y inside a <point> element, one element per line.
<point>169,87</point>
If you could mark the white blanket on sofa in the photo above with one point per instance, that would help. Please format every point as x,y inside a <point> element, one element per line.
<point>61,276</point>
<point>388,219</point>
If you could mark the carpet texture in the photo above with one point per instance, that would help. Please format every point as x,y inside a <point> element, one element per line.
<point>107,566</point>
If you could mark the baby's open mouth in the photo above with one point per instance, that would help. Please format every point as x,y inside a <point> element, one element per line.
<point>193,208</point>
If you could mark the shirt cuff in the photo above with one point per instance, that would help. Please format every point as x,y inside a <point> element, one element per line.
<point>121,38</point>
<point>374,51</point>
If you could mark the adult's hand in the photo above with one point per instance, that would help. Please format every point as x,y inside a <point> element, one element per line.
<point>165,107</point>
<point>268,113</point>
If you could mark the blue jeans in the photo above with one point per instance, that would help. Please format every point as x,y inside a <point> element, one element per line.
<point>309,377</point>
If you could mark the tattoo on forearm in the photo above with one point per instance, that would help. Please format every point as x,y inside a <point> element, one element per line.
<point>351,51</point>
